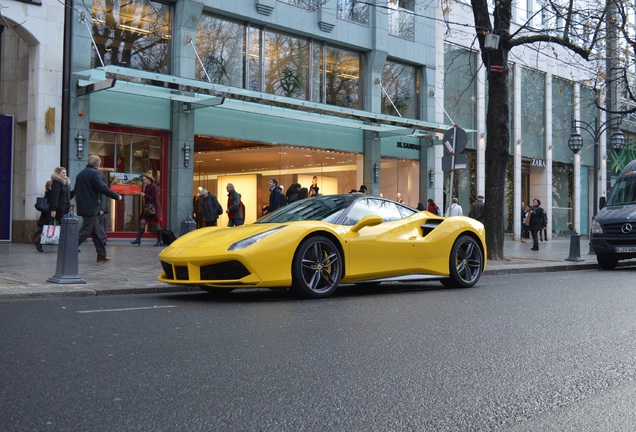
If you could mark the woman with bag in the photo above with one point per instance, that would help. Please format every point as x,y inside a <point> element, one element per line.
<point>60,197</point>
<point>151,211</point>
<point>45,218</point>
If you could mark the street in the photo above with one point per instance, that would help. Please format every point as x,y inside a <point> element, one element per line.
<point>543,351</point>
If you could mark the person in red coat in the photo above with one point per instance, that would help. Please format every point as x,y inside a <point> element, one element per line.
<point>150,197</point>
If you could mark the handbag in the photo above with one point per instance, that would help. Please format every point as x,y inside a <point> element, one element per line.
<point>150,211</point>
<point>50,234</point>
<point>42,204</point>
<point>526,221</point>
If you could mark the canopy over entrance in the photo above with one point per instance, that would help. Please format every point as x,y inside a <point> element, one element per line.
<point>198,94</point>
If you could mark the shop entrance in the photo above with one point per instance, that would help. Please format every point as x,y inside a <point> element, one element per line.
<point>250,165</point>
<point>126,154</point>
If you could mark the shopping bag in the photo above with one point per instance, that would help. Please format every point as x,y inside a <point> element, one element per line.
<point>50,234</point>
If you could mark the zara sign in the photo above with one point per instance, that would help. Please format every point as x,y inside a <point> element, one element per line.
<point>538,163</point>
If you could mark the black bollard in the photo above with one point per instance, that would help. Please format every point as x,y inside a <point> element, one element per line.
<point>575,248</point>
<point>187,225</point>
<point>66,271</point>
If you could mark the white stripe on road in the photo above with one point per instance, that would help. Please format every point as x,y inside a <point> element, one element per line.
<point>126,309</point>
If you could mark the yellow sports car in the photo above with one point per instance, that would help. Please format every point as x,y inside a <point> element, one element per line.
<point>314,244</point>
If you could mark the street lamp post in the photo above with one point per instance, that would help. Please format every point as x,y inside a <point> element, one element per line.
<point>596,130</point>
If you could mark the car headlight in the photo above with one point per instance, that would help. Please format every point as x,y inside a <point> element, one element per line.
<point>253,239</point>
<point>596,228</point>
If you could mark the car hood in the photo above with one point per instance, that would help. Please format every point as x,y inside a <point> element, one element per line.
<point>221,237</point>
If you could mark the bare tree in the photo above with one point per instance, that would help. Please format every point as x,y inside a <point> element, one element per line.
<point>584,35</point>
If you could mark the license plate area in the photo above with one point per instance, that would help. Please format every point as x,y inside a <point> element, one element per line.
<point>625,249</point>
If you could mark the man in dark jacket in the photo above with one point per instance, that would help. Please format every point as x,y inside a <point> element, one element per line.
<point>477,209</point>
<point>536,222</point>
<point>275,196</point>
<point>89,185</point>
<point>210,207</point>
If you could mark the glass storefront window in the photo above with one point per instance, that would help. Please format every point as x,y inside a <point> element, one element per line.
<point>132,34</point>
<point>220,45</point>
<point>400,81</point>
<point>402,19</point>
<point>246,56</point>
<point>354,10</point>
<point>286,65</point>
<point>533,113</point>
<point>342,77</point>
<point>562,107</point>
<point>134,153</point>
<point>400,180</point>
<point>460,86</point>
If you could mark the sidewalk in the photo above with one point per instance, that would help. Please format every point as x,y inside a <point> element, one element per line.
<point>134,269</point>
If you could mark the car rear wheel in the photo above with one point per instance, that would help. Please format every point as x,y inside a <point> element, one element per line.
<point>466,263</point>
<point>317,268</point>
<point>606,262</point>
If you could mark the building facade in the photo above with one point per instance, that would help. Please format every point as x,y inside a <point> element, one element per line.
<point>202,94</point>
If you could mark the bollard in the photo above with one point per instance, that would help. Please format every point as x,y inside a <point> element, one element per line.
<point>575,248</point>
<point>187,225</point>
<point>66,270</point>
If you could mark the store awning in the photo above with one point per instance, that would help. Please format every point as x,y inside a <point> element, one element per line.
<point>195,94</point>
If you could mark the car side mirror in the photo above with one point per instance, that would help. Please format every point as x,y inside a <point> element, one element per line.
<point>366,222</point>
<point>601,202</point>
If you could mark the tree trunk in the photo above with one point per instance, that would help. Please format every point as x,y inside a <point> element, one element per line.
<point>497,143</point>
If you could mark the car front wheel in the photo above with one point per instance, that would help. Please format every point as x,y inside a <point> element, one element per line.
<point>317,268</point>
<point>466,263</point>
<point>606,262</point>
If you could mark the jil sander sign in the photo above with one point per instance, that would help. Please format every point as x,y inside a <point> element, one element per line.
<point>409,146</point>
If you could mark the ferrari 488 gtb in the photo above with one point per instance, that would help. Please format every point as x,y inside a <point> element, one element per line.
<point>314,244</point>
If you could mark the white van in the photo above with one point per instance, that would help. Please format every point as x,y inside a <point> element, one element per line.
<point>614,227</point>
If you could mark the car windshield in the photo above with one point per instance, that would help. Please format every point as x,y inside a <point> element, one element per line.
<point>624,191</point>
<point>324,208</point>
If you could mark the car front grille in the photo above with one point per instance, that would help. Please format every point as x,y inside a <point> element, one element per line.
<point>616,230</point>
<point>230,270</point>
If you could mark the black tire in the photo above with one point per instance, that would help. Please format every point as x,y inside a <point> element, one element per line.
<point>317,268</point>
<point>606,262</point>
<point>466,263</point>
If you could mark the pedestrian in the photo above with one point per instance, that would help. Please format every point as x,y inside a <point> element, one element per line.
<point>420,206</point>
<point>290,196</point>
<point>235,208</point>
<point>303,193</point>
<point>101,217</point>
<point>103,211</point>
<point>525,227</point>
<point>399,198</point>
<point>60,196</point>
<point>455,209</point>
<point>543,232</point>
<point>313,189</point>
<point>276,195</point>
<point>45,218</point>
<point>536,222</point>
<point>477,209</point>
<point>433,208</point>
<point>363,189</point>
<point>88,186</point>
<point>151,198</point>
<point>210,207</point>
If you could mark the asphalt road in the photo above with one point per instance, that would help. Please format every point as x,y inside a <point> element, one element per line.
<point>548,351</point>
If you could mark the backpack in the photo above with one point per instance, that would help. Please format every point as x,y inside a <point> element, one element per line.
<point>437,211</point>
